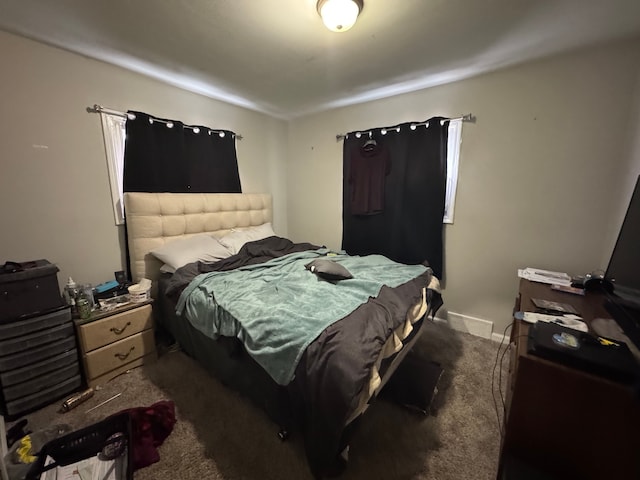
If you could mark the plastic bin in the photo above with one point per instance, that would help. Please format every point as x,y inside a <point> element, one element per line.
<point>45,396</point>
<point>86,443</point>
<point>31,288</point>
<point>139,293</point>
<point>34,370</point>
<point>32,340</point>
<point>40,383</point>
<point>29,325</point>
<point>26,357</point>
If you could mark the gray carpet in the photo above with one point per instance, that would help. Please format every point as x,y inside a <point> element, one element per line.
<point>220,435</point>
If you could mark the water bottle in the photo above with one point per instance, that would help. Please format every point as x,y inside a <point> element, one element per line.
<point>71,292</point>
<point>87,291</point>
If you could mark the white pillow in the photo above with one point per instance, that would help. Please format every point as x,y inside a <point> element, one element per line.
<point>167,268</point>
<point>236,239</point>
<point>202,247</point>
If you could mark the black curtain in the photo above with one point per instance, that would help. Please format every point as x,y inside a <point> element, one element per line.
<point>404,220</point>
<point>163,155</point>
<point>180,159</point>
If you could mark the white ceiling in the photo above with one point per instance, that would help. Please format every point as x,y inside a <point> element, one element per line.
<point>277,57</point>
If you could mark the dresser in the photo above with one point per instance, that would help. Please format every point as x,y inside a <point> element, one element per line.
<point>561,421</point>
<point>113,342</point>
<point>38,361</point>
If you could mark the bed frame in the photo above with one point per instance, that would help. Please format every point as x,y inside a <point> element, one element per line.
<point>154,219</point>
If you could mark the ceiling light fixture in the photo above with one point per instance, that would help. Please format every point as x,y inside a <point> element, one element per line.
<point>339,15</point>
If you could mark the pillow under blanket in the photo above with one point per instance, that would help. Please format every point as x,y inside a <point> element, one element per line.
<point>328,269</point>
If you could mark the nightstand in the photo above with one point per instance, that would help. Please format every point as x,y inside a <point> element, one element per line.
<point>116,341</point>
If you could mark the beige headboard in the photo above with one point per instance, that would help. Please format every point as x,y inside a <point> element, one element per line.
<point>154,219</point>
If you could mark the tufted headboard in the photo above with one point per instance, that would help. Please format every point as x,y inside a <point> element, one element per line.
<point>154,219</point>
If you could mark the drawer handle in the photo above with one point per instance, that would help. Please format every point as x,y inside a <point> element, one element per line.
<point>123,356</point>
<point>118,331</point>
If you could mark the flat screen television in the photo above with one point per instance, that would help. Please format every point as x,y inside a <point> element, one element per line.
<point>624,271</point>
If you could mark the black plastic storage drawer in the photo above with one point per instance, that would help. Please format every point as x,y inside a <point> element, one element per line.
<point>23,374</point>
<point>27,288</point>
<point>27,342</point>
<point>32,324</point>
<point>43,397</point>
<point>18,360</point>
<point>38,355</point>
<point>39,383</point>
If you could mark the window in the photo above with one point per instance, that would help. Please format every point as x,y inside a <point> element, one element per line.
<point>113,129</point>
<point>453,156</point>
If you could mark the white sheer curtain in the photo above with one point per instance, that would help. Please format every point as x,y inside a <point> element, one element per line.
<point>113,129</point>
<point>454,140</point>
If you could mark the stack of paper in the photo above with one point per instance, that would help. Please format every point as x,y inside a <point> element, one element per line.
<point>545,276</point>
<point>92,468</point>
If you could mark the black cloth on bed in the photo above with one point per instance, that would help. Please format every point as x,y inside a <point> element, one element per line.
<point>336,367</point>
<point>251,253</point>
<point>326,399</point>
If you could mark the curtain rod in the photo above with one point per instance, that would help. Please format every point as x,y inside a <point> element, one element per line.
<point>100,109</point>
<point>469,117</point>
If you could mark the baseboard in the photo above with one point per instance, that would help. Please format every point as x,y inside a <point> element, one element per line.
<point>500,338</point>
<point>473,325</point>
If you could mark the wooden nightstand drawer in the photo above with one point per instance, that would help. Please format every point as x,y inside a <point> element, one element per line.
<point>119,354</point>
<point>107,330</point>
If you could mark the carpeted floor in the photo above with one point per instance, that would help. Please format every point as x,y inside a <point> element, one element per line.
<point>220,435</point>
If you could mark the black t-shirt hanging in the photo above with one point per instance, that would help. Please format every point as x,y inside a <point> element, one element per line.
<point>369,167</point>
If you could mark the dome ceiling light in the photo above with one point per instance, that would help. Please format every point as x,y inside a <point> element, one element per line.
<point>339,15</point>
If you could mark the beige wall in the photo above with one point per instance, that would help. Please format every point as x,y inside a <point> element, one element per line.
<point>54,188</point>
<point>629,168</point>
<point>545,175</point>
<point>540,177</point>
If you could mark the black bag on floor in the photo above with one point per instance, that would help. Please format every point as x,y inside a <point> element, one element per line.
<point>414,384</point>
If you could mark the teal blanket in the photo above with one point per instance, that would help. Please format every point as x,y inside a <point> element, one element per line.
<point>278,308</point>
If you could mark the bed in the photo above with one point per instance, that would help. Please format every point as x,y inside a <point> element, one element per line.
<point>236,311</point>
